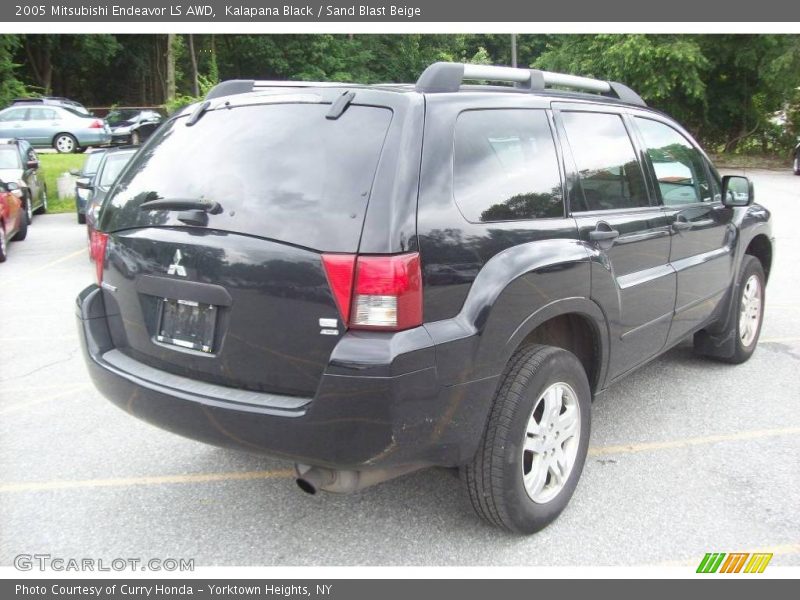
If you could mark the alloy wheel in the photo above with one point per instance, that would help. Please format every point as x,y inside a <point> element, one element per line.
<point>65,144</point>
<point>551,442</point>
<point>750,310</point>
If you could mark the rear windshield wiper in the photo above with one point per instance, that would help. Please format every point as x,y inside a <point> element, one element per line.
<point>208,206</point>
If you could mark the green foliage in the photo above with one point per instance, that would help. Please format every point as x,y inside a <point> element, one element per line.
<point>666,70</point>
<point>726,89</point>
<point>10,86</point>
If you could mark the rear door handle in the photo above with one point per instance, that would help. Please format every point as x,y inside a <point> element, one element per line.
<point>681,224</point>
<point>603,235</point>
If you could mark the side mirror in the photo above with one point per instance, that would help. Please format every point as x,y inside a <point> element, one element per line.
<point>33,164</point>
<point>14,189</point>
<point>737,191</point>
<point>84,183</point>
<point>75,172</point>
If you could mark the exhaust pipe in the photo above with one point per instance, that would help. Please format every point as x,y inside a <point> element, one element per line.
<point>313,479</point>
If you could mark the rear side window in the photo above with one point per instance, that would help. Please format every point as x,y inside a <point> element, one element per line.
<point>678,166</point>
<point>113,166</point>
<point>92,162</point>
<point>41,114</point>
<point>505,166</point>
<point>279,171</point>
<point>610,176</point>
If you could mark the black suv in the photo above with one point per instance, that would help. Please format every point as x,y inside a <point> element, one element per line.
<point>367,280</point>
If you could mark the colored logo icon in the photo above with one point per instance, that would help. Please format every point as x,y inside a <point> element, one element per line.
<point>735,562</point>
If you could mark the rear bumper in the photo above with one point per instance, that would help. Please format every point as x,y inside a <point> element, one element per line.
<point>378,404</point>
<point>93,137</point>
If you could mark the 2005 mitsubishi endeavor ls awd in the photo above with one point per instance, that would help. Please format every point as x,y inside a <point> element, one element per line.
<point>367,280</point>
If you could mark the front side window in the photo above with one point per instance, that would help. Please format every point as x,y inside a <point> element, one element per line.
<point>610,176</point>
<point>505,166</point>
<point>678,166</point>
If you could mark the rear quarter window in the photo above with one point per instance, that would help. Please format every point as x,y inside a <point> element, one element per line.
<point>505,166</point>
<point>279,171</point>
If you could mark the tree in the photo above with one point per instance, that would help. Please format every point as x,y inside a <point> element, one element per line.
<point>10,86</point>
<point>668,71</point>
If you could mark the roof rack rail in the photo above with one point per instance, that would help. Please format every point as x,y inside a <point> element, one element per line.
<point>444,77</point>
<point>243,86</point>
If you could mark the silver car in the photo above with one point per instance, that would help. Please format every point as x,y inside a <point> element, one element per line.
<point>58,127</point>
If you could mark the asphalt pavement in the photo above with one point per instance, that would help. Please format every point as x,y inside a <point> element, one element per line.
<point>687,455</point>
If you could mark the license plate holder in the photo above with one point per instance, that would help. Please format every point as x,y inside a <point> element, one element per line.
<point>187,324</point>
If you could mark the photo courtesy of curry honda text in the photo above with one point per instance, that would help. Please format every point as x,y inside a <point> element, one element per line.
<point>372,279</point>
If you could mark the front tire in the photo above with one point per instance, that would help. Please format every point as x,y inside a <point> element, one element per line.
<point>22,232</point>
<point>533,450</point>
<point>81,219</point>
<point>3,243</point>
<point>28,209</point>
<point>749,315</point>
<point>65,143</point>
<point>796,165</point>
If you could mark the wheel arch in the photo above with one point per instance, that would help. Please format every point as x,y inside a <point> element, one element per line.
<point>573,324</point>
<point>761,248</point>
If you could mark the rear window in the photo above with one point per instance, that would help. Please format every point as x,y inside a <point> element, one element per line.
<point>279,171</point>
<point>9,157</point>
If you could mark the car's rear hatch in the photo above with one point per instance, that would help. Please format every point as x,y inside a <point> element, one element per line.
<point>237,294</point>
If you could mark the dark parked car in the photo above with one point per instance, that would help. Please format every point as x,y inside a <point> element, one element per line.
<point>13,221</point>
<point>111,163</point>
<point>132,126</point>
<point>83,184</point>
<point>19,163</point>
<point>326,288</point>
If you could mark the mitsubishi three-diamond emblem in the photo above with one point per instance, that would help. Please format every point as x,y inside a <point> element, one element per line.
<point>176,268</point>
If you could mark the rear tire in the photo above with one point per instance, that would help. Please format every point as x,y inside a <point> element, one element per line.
<point>43,208</point>
<point>796,165</point>
<point>533,450</point>
<point>81,219</point>
<point>65,143</point>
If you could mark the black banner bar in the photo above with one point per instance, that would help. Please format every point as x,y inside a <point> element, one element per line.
<point>394,589</point>
<point>375,11</point>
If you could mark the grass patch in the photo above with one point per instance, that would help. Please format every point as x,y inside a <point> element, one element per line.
<point>51,166</point>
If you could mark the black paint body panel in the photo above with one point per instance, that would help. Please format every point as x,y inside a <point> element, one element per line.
<point>274,385</point>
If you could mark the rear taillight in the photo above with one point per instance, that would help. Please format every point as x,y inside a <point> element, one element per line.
<point>96,124</point>
<point>376,292</point>
<point>97,252</point>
